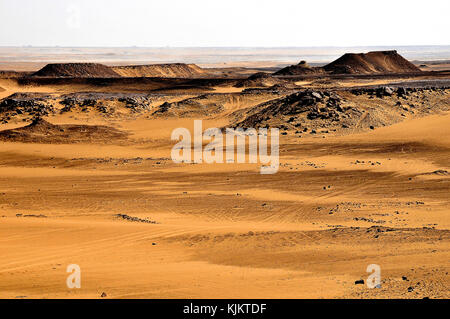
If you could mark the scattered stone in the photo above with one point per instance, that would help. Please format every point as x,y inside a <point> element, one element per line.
<point>136,219</point>
<point>317,95</point>
<point>31,215</point>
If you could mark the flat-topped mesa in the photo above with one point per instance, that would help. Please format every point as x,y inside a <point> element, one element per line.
<point>371,62</point>
<point>78,70</point>
<point>168,70</point>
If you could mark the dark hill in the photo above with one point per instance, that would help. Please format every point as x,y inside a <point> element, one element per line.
<point>41,131</point>
<point>299,69</point>
<point>81,70</point>
<point>371,62</point>
<point>260,79</point>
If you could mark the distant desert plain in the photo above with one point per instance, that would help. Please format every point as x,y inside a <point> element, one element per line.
<point>87,178</point>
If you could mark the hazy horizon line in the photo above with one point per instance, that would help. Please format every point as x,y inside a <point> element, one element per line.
<point>228,47</point>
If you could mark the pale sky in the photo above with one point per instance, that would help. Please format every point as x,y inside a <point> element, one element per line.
<point>216,23</point>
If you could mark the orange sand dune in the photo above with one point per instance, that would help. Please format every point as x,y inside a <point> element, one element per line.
<point>366,183</point>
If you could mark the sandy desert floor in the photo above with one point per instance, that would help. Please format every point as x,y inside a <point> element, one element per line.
<point>337,205</point>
